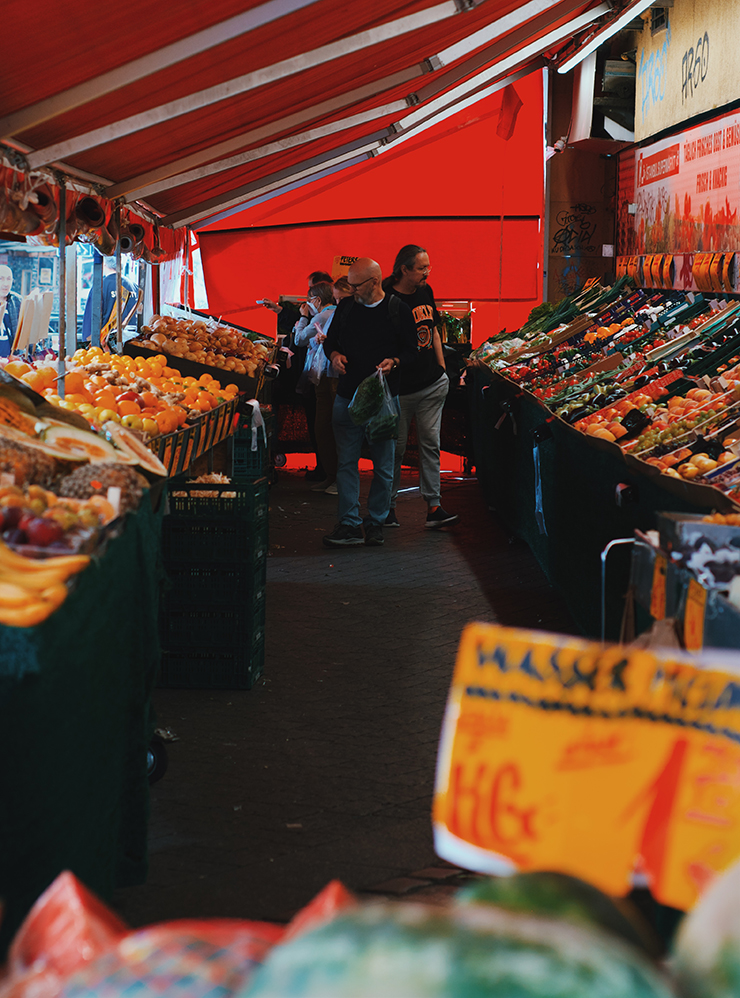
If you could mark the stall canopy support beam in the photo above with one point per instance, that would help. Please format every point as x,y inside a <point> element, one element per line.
<point>148,183</point>
<point>70,343</point>
<point>528,25</point>
<point>96,300</point>
<point>155,62</point>
<point>243,84</point>
<point>365,145</point>
<point>62,283</point>
<point>273,148</point>
<point>119,286</point>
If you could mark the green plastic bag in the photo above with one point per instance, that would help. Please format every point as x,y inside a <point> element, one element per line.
<point>367,400</point>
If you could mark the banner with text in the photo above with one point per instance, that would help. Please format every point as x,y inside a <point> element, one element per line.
<point>687,63</point>
<point>687,189</point>
<point>598,761</point>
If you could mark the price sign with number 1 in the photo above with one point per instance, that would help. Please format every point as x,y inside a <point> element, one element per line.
<point>562,754</point>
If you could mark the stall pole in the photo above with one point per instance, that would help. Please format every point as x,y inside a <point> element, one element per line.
<point>119,288</point>
<point>604,553</point>
<point>70,298</point>
<point>97,300</point>
<point>62,283</point>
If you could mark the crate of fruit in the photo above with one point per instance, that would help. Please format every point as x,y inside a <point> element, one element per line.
<point>208,524</point>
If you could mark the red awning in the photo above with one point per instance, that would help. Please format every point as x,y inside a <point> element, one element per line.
<point>190,108</point>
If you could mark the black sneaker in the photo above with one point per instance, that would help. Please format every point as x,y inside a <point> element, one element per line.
<point>373,535</point>
<point>344,535</point>
<point>440,518</point>
<point>391,520</point>
<point>315,475</point>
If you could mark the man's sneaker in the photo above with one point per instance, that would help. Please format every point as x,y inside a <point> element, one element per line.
<point>343,535</point>
<point>322,486</point>
<point>373,535</point>
<point>439,517</point>
<point>331,489</point>
<point>392,520</point>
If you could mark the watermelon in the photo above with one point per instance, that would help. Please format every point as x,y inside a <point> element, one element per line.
<point>385,950</point>
<point>559,895</point>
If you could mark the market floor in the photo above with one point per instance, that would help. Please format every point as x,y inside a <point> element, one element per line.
<point>325,769</point>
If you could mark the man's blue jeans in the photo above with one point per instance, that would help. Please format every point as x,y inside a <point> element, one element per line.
<point>349,440</point>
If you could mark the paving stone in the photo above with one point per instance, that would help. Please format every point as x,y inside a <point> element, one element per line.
<point>400,885</point>
<point>341,735</point>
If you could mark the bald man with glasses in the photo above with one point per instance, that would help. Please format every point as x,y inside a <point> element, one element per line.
<point>368,332</point>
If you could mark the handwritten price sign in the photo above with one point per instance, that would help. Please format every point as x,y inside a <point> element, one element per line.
<point>597,761</point>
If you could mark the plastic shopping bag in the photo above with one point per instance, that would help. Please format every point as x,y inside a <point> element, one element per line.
<point>315,362</point>
<point>367,400</point>
<point>384,424</point>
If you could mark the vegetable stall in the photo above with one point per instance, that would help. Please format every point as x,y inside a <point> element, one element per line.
<point>598,414</point>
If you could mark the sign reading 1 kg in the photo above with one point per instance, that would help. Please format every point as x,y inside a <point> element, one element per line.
<point>694,67</point>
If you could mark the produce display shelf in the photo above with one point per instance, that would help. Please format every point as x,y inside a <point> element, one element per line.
<point>190,368</point>
<point>177,450</point>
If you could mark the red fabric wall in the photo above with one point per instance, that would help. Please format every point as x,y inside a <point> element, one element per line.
<point>445,190</point>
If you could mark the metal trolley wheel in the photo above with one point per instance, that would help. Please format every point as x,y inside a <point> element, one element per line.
<point>156,759</point>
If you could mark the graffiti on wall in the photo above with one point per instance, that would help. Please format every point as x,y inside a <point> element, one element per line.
<point>694,67</point>
<point>653,73</point>
<point>576,230</point>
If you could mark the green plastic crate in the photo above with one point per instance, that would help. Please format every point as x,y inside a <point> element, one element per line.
<point>221,629</point>
<point>227,528</point>
<point>214,585</point>
<point>215,670</point>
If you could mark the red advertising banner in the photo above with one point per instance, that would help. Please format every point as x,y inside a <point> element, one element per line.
<point>688,191</point>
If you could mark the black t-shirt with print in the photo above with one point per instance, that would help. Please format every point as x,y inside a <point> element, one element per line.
<point>426,369</point>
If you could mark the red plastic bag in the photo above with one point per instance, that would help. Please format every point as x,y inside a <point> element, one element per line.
<point>182,959</point>
<point>66,929</point>
<point>326,905</point>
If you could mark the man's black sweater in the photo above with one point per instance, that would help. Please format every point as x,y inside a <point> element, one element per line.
<point>366,335</point>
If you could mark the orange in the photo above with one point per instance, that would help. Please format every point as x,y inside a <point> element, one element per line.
<point>129,408</point>
<point>34,380</point>
<point>106,400</point>
<point>170,372</point>
<point>17,368</point>
<point>205,400</point>
<point>166,421</point>
<point>149,398</point>
<point>49,375</point>
<point>180,413</point>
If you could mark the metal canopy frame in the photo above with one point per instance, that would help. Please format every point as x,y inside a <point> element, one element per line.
<point>490,55</point>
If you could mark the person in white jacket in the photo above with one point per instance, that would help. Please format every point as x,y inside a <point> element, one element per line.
<point>310,331</point>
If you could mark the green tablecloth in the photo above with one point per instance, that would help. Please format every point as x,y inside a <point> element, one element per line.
<point>74,727</point>
<point>579,509</point>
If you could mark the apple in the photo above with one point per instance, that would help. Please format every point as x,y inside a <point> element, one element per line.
<point>132,422</point>
<point>131,397</point>
<point>105,414</point>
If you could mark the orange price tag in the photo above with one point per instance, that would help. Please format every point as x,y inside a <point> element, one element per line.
<point>563,754</point>
<point>693,618</point>
<point>657,595</point>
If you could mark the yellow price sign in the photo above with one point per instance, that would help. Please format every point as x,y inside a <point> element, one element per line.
<point>657,595</point>
<point>693,618</point>
<point>596,761</point>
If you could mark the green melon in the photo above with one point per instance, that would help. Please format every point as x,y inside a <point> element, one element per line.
<point>559,895</point>
<point>415,951</point>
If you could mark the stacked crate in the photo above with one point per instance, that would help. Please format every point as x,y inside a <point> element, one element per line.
<point>246,464</point>
<point>212,622</point>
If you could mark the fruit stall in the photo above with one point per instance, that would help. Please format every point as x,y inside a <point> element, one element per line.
<point>598,414</point>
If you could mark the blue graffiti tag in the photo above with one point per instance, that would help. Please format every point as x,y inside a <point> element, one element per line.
<point>653,73</point>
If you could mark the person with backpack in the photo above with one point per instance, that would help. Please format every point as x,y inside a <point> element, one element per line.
<point>371,331</point>
<point>424,385</point>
